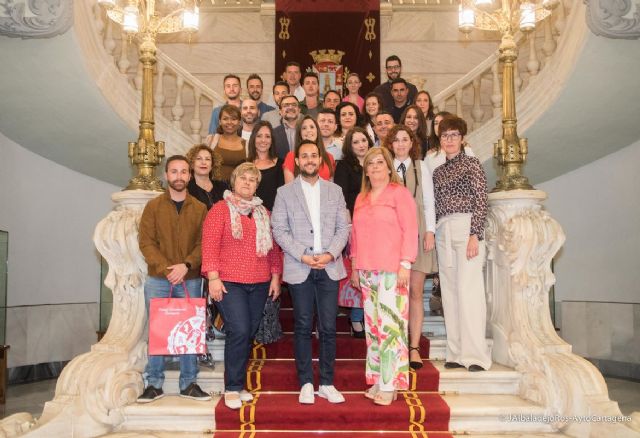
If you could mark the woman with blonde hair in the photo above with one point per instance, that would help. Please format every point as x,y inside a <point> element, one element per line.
<point>383,246</point>
<point>243,265</point>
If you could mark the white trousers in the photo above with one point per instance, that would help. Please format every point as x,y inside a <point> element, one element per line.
<point>463,297</point>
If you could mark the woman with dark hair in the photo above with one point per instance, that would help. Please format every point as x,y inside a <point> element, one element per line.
<point>349,177</point>
<point>205,185</point>
<point>262,153</point>
<point>435,157</point>
<point>347,117</point>
<point>383,246</point>
<point>415,175</point>
<point>372,106</point>
<point>243,265</point>
<point>230,146</point>
<point>413,119</point>
<point>460,187</point>
<point>424,102</point>
<point>308,129</point>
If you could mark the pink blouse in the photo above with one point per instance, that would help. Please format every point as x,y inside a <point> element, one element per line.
<point>360,103</point>
<point>384,231</point>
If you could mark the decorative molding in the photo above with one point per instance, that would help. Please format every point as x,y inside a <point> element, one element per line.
<point>522,238</point>
<point>35,18</point>
<point>94,387</point>
<point>610,18</point>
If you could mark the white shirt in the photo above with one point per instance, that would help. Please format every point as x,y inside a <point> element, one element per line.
<point>246,135</point>
<point>335,149</point>
<point>312,196</point>
<point>299,93</point>
<point>428,199</point>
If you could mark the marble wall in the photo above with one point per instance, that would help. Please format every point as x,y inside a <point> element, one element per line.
<point>50,333</point>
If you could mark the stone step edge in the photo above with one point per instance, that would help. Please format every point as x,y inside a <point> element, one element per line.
<point>469,414</point>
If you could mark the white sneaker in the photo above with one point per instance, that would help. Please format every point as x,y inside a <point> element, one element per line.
<point>330,393</point>
<point>246,396</point>
<point>306,394</point>
<point>232,400</point>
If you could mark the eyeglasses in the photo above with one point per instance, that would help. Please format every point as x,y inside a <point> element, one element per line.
<point>393,67</point>
<point>289,105</point>
<point>450,136</point>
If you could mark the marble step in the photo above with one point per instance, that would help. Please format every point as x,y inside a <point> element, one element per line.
<point>433,326</point>
<point>497,380</point>
<point>470,414</point>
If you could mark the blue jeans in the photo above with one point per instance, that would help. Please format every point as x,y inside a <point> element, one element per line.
<point>156,287</point>
<point>322,291</point>
<point>241,308</point>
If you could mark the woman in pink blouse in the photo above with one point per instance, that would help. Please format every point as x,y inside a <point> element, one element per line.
<point>384,243</point>
<point>243,265</point>
<point>460,191</point>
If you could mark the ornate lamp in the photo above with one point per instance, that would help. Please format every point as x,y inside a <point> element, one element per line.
<point>510,15</point>
<point>145,19</point>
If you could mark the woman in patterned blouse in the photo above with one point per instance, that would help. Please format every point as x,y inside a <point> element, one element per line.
<point>460,189</point>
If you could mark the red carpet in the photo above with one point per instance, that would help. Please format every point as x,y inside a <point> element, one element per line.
<point>275,411</point>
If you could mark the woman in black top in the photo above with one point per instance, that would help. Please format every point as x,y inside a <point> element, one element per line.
<point>348,176</point>
<point>204,184</point>
<point>262,153</point>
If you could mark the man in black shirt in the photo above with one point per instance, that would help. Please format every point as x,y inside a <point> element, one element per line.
<point>393,65</point>
<point>399,92</point>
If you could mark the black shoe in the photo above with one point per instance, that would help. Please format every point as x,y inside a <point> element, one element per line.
<point>451,365</point>
<point>359,334</point>
<point>415,364</point>
<point>474,368</point>
<point>194,392</point>
<point>150,394</point>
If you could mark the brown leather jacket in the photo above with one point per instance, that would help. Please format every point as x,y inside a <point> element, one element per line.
<point>167,238</point>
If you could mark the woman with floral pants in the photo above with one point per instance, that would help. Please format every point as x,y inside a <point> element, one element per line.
<point>384,243</point>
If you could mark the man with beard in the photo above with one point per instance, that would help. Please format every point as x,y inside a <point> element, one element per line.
<point>328,126</point>
<point>254,88</point>
<point>393,66</point>
<point>284,136</point>
<point>170,244</point>
<point>311,224</point>
<point>249,114</point>
<point>279,90</point>
<point>232,89</point>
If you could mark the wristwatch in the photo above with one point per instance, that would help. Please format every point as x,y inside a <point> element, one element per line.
<point>188,265</point>
<point>405,264</point>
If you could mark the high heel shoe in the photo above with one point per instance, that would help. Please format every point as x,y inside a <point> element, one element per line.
<point>385,398</point>
<point>372,392</point>
<point>414,364</point>
<point>359,334</point>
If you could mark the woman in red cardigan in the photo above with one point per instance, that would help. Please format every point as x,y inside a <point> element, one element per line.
<point>243,265</point>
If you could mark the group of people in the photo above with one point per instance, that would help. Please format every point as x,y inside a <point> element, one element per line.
<point>300,195</point>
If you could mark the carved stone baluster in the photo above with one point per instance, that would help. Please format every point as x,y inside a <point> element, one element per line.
<point>98,15</point>
<point>561,18</point>
<point>196,123</point>
<point>549,45</point>
<point>123,62</point>
<point>178,111</point>
<point>459,102</point>
<point>109,42</point>
<point>159,97</point>
<point>138,79</point>
<point>477,113</point>
<point>496,95</point>
<point>533,65</point>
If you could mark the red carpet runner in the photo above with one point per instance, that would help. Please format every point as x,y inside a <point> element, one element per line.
<point>275,411</point>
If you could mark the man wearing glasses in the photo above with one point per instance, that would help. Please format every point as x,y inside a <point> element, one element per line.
<point>393,65</point>
<point>284,136</point>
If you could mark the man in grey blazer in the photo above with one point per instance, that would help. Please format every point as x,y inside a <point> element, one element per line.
<point>311,224</point>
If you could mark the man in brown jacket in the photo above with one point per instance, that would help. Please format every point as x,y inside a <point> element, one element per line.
<point>170,239</point>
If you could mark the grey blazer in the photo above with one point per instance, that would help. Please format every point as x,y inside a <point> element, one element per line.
<point>293,231</point>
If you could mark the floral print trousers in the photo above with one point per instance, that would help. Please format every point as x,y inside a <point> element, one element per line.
<point>386,315</point>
